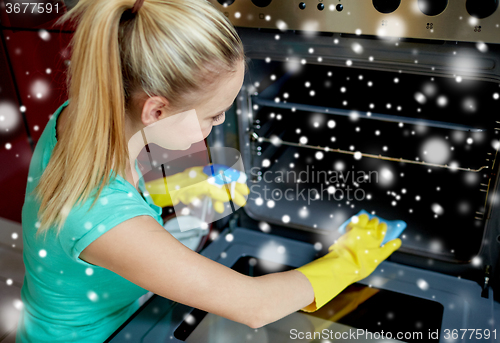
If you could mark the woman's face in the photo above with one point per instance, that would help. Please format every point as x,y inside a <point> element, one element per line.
<point>212,104</point>
<point>180,129</point>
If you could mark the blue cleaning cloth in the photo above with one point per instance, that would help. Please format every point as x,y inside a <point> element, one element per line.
<point>394,227</point>
<point>223,174</point>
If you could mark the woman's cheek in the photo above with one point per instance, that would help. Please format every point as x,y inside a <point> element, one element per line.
<point>206,131</point>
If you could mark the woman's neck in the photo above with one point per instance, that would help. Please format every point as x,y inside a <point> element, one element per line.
<point>135,144</point>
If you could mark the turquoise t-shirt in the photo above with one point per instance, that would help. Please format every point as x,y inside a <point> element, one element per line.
<point>64,298</point>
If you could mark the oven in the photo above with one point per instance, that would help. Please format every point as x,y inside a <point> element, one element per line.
<point>385,106</point>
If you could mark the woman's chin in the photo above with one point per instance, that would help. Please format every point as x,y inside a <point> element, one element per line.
<point>185,147</point>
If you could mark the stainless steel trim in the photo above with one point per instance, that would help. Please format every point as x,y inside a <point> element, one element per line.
<point>361,18</point>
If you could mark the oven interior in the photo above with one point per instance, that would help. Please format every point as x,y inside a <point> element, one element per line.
<point>323,142</point>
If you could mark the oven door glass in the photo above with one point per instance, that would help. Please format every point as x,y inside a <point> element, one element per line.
<point>322,143</point>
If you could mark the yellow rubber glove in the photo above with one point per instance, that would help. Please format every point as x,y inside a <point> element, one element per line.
<point>190,185</point>
<point>354,256</point>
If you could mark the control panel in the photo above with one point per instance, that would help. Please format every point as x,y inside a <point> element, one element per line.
<point>452,20</point>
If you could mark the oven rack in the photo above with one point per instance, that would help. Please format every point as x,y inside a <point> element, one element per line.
<point>255,99</point>
<point>255,137</point>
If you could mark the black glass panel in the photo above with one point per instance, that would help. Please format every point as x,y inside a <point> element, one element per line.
<point>403,146</point>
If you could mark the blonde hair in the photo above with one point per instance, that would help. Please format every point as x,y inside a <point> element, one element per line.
<point>169,48</point>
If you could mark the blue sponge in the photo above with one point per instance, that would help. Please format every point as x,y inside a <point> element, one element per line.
<point>394,227</point>
<point>221,174</point>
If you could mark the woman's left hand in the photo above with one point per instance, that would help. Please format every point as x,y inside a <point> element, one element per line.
<point>218,182</point>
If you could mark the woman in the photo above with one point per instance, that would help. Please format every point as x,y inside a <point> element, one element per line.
<point>93,242</point>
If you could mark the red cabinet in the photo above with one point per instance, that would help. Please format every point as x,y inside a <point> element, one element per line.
<point>39,66</point>
<point>15,150</point>
<point>33,60</point>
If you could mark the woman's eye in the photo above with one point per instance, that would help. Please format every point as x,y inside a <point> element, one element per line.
<point>218,117</point>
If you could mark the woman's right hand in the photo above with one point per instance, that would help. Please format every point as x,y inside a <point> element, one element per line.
<point>354,256</point>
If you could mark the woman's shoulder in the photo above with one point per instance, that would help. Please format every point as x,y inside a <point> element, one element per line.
<point>88,220</point>
<point>115,197</point>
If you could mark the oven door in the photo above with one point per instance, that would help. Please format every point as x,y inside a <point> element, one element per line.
<point>383,106</point>
<point>325,133</point>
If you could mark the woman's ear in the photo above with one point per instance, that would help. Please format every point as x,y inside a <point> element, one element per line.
<point>154,109</point>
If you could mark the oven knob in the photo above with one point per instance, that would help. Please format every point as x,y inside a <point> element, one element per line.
<point>225,3</point>
<point>261,3</point>
<point>481,9</point>
<point>386,6</point>
<point>432,7</point>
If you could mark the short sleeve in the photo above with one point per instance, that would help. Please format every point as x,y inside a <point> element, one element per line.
<point>116,204</point>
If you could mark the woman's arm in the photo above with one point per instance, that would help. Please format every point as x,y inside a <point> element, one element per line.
<point>142,251</point>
